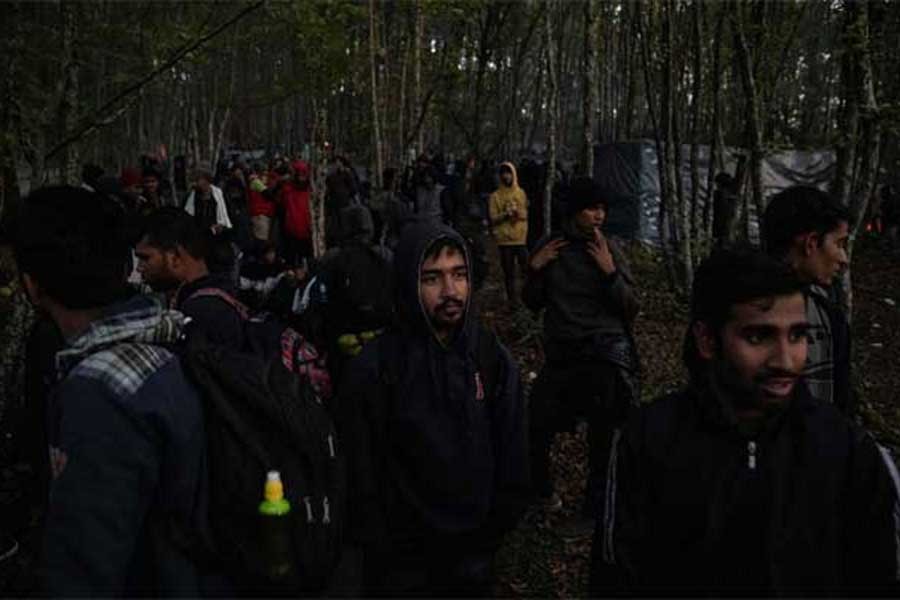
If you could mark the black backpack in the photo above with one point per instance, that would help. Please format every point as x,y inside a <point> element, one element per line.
<point>360,294</point>
<point>261,416</point>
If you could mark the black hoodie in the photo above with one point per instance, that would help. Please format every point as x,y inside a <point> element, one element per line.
<point>804,504</point>
<point>430,457</point>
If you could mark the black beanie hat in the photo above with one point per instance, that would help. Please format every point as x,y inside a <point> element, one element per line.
<point>585,193</point>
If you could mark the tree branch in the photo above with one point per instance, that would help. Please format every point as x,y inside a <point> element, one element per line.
<point>98,120</point>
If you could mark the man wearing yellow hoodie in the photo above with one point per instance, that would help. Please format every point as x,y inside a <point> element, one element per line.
<point>509,218</point>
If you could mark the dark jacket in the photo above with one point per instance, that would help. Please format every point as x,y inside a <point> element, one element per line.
<point>128,453</point>
<point>804,504</point>
<point>580,299</point>
<point>211,316</point>
<point>430,457</point>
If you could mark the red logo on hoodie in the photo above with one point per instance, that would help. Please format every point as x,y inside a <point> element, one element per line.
<point>479,388</point>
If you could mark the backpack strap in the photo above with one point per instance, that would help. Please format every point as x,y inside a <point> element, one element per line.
<point>212,292</point>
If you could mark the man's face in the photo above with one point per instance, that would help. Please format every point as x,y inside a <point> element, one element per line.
<point>824,257</point>
<point>203,185</point>
<point>158,268</point>
<point>590,219</point>
<point>151,185</point>
<point>760,353</point>
<point>444,289</point>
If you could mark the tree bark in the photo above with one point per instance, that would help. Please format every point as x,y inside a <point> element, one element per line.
<point>552,106</point>
<point>319,171</point>
<point>716,146</point>
<point>377,164</point>
<point>68,107</point>
<point>753,121</point>
<point>696,103</point>
<point>857,155</point>
<point>589,85</point>
<point>417,71</point>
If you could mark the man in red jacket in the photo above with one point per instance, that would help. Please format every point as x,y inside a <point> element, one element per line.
<point>293,197</point>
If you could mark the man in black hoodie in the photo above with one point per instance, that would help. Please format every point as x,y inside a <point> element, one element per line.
<point>172,258</point>
<point>743,483</point>
<point>582,279</point>
<point>433,419</point>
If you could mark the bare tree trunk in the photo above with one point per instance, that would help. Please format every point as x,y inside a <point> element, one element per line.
<point>417,70</point>
<point>319,172</point>
<point>696,103</point>
<point>751,94</point>
<point>665,232</point>
<point>232,80</point>
<point>857,155</point>
<point>401,117</point>
<point>671,159</point>
<point>716,147</point>
<point>552,106</point>
<point>10,108</point>
<point>69,102</point>
<point>589,85</point>
<point>377,165</point>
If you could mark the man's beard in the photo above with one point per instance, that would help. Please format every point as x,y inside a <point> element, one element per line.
<point>748,395</point>
<point>444,322</point>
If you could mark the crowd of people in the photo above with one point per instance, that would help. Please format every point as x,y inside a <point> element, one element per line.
<point>753,479</point>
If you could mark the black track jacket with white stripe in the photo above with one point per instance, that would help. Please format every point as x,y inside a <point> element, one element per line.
<point>806,504</point>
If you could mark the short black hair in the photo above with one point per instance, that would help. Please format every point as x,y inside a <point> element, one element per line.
<point>169,227</point>
<point>439,245</point>
<point>731,276</point>
<point>151,171</point>
<point>72,242</point>
<point>798,210</point>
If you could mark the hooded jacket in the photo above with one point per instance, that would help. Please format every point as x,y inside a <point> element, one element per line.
<point>581,301</point>
<point>509,231</point>
<point>804,503</point>
<point>128,454</point>
<point>295,200</point>
<point>430,456</point>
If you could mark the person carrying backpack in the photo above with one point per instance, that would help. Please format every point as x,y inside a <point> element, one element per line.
<point>433,421</point>
<point>172,258</point>
<point>126,430</point>
<point>265,389</point>
<point>357,279</point>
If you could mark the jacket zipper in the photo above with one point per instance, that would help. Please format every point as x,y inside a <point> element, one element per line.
<point>751,455</point>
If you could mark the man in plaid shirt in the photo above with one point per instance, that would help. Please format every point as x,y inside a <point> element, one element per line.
<point>126,435</point>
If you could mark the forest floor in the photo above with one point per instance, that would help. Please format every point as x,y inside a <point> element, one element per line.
<point>536,561</point>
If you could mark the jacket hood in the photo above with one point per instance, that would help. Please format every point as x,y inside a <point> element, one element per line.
<point>300,167</point>
<point>408,260</point>
<point>511,167</point>
<point>357,223</point>
<point>140,320</point>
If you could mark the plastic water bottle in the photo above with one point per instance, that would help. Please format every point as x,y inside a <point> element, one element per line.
<point>275,533</point>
